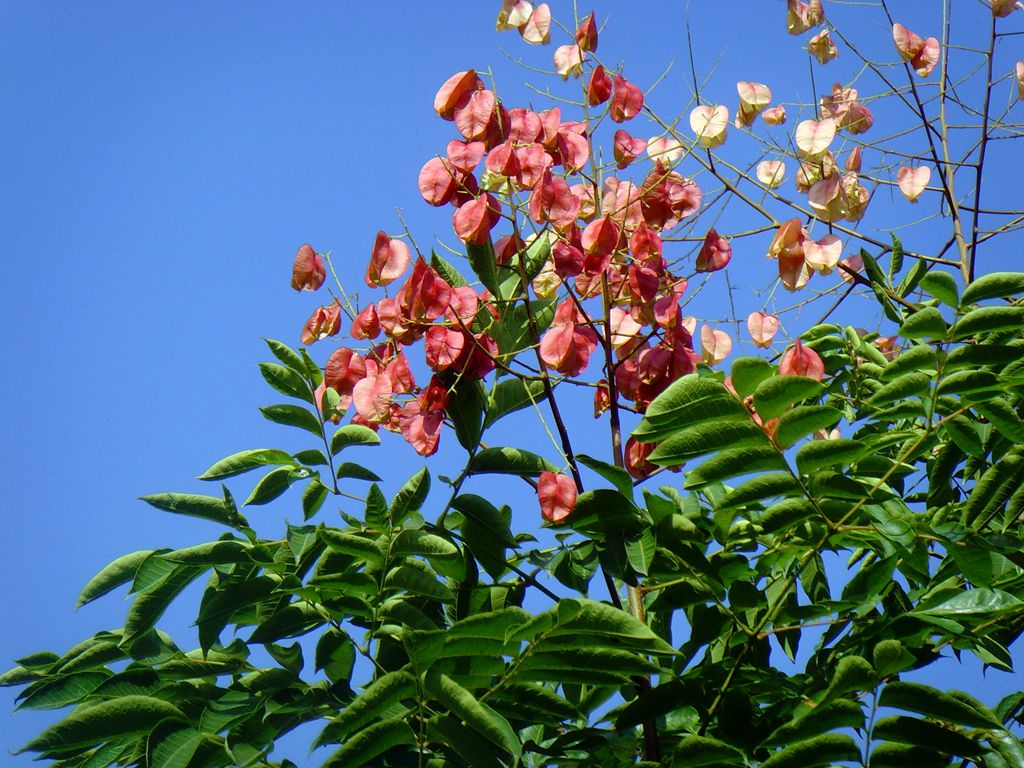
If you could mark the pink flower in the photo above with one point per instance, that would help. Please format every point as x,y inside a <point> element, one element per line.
<point>308,270</point>
<point>913,181</point>
<point>923,55</point>
<point>389,260</point>
<point>715,254</point>
<point>557,496</point>
<point>798,360</point>
<point>627,100</point>
<point>762,328</point>
<point>324,322</point>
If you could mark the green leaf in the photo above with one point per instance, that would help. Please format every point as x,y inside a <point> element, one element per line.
<point>890,755</point>
<point>825,717</point>
<point>368,706</point>
<point>995,285</point>
<point>511,395</point>
<point>926,323</point>
<point>915,384</point>
<point>451,275</point>
<point>464,705</point>
<point>852,674</point>
<point>802,421</point>
<point>581,618</point>
<point>760,488</point>
<point>896,259</point>
<point>474,750</point>
<point>707,438</point>
<point>352,434</point>
<point>818,750</point>
<point>785,514</point>
<point>993,488</point>
<point>617,476</point>
<point>694,751</point>
<point>293,416</point>
<point>172,745</point>
<point>376,507</point>
<point>913,277</point>
<point>466,405</point>
<point>826,453</point>
<point>357,546</point>
<point>419,582</point>
<point>931,702</point>
<point>244,461</point>
<point>443,555</point>
<point>942,286</point>
<point>688,401</point>
<point>735,462</point>
<point>211,553</point>
<point>776,394</point>
<point>120,571</point>
<point>917,357</point>
<point>980,601</point>
<point>58,691</point>
<point>640,551</point>
<point>604,511</point>
<point>509,461</point>
<point>891,657</point>
<point>371,743</point>
<point>270,486</point>
<point>313,497</point>
<point>410,497</point>
<point>961,431</point>
<point>536,255</point>
<point>103,721</point>
<point>287,382</point>
<point>483,512</point>
<point>353,471</point>
<point>969,381</point>
<point>921,733</point>
<point>481,259</point>
<point>205,507</point>
<point>1004,418</point>
<point>748,372</point>
<point>988,320</point>
<point>287,355</point>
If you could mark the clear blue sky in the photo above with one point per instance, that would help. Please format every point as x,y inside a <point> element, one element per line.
<point>161,164</point>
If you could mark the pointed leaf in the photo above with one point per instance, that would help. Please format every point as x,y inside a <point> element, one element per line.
<point>995,285</point>
<point>509,461</point>
<point>270,486</point>
<point>748,372</point>
<point>931,702</point>
<point>287,382</point>
<point>988,320</point>
<point>193,505</point>
<point>942,286</point>
<point>352,434</point>
<point>371,743</point>
<point>293,416</point>
<point>707,438</point>
<point>688,401</point>
<point>120,571</point>
<point>827,453</point>
<point>802,421</point>
<point>244,461</point>
<point>926,323</point>
<point>103,721</point>
<point>511,395</point>
<point>410,497</point>
<point>818,750</point>
<point>776,394</point>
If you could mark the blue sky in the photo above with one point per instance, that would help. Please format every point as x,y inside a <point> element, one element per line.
<point>161,164</point>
